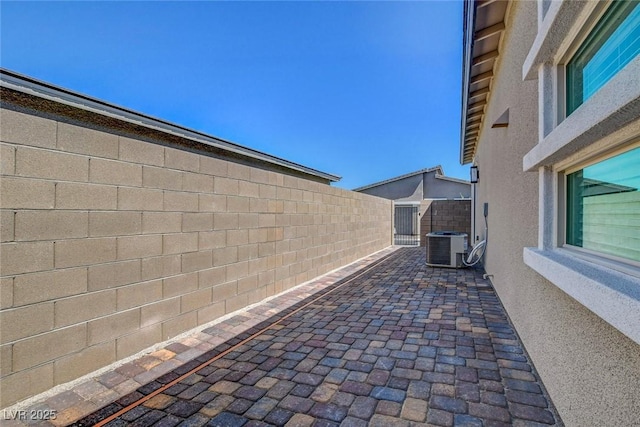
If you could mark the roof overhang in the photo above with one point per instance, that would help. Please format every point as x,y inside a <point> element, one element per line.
<point>30,86</point>
<point>483,28</point>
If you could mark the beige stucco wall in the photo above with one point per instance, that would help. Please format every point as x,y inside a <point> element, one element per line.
<point>112,244</point>
<point>591,370</point>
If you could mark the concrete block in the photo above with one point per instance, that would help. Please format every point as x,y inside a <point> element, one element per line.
<point>133,150</point>
<point>237,237</point>
<point>197,222</point>
<point>163,266</point>
<point>50,225</point>
<point>80,308</point>
<point>236,303</point>
<point>6,292</point>
<point>197,182</point>
<point>7,225</point>
<point>195,261</point>
<point>259,206</point>
<point>226,186</point>
<point>195,300</point>
<point>103,224</point>
<point>38,163</point>
<point>138,341</point>
<point>161,222</point>
<point>49,346</point>
<point>210,313</point>
<point>140,199</point>
<point>224,256</point>
<point>225,291</point>
<point>178,325</point>
<point>115,172</point>
<point>180,201</point>
<point>178,285</point>
<point>237,270</point>
<point>212,277</point>
<point>182,160</point>
<point>138,294</point>
<point>248,220</point>
<point>259,176</point>
<point>6,360</point>
<point>88,360</point>
<point>247,252</point>
<point>7,159</point>
<point>113,326</point>
<point>248,189</point>
<point>212,203</point>
<point>27,383</point>
<point>25,257</point>
<point>73,253</point>
<point>22,322</point>
<point>26,193</point>
<point>114,274</point>
<point>238,204</point>
<point>163,178</point>
<point>267,191</point>
<point>86,196</point>
<point>143,246</point>
<point>225,221</point>
<point>49,285</point>
<point>77,139</point>
<point>156,313</point>
<point>239,171</point>
<point>179,243</point>
<point>27,129</point>
<point>213,166</point>
<point>247,284</point>
<point>212,239</point>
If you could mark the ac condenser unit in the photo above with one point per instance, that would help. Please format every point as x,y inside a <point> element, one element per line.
<point>446,249</point>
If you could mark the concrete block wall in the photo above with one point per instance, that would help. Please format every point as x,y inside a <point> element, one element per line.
<point>444,215</point>
<point>111,244</point>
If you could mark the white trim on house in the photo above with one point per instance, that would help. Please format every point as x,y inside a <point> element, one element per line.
<point>608,120</point>
<point>612,295</point>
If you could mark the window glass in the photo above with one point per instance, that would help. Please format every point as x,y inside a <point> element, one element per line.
<point>603,206</point>
<point>612,44</point>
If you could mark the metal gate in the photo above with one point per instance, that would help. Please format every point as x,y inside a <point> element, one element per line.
<point>406,230</point>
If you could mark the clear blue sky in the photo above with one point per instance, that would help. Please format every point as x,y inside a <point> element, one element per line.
<point>364,90</point>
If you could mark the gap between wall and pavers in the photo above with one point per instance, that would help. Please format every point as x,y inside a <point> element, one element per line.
<point>83,396</point>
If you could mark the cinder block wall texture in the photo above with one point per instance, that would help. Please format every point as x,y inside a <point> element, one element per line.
<point>112,244</point>
<point>444,215</point>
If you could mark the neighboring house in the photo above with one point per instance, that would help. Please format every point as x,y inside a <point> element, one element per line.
<point>551,119</point>
<point>414,195</point>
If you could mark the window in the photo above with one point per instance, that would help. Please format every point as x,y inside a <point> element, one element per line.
<point>603,206</point>
<point>612,44</point>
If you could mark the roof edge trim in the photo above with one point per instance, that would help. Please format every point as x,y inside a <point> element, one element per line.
<point>28,85</point>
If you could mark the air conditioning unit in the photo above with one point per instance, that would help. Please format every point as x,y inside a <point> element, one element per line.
<point>446,249</point>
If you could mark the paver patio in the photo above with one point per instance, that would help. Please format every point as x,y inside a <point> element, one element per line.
<point>396,344</point>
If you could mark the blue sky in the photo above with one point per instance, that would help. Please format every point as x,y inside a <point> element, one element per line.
<point>364,90</point>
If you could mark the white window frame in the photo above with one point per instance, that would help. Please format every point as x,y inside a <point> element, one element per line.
<point>608,287</point>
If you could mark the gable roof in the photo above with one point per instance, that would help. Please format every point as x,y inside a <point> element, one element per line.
<point>437,169</point>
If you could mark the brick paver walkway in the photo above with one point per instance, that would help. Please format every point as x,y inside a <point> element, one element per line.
<point>402,344</point>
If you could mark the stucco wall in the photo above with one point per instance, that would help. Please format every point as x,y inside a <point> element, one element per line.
<point>403,190</point>
<point>112,244</point>
<point>436,188</point>
<point>591,370</point>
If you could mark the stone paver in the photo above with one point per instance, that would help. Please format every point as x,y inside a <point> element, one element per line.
<point>403,344</point>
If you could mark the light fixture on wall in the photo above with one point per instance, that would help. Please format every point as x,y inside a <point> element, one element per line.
<point>475,175</point>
